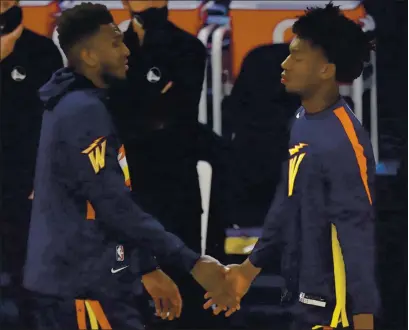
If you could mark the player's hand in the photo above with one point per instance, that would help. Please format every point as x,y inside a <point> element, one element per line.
<point>240,286</point>
<point>165,294</point>
<point>211,275</point>
<point>8,41</point>
<point>239,278</point>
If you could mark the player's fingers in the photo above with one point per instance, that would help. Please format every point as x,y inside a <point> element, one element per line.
<point>176,308</point>
<point>158,307</point>
<point>234,301</point>
<point>179,304</point>
<point>222,299</point>
<point>165,309</point>
<point>227,299</point>
<point>230,312</point>
<point>208,304</point>
<point>175,305</point>
<point>232,295</point>
<point>172,310</point>
<point>219,309</point>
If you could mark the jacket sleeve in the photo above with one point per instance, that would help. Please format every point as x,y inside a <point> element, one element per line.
<point>147,263</point>
<point>87,149</point>
<point>349,177</point>
<point>281,211</point>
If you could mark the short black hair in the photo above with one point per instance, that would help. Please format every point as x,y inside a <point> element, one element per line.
<point>80,22</point>
<point>343,41</point>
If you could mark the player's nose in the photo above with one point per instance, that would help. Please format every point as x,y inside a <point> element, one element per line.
<point>126,51</point>
<point>284,64</point>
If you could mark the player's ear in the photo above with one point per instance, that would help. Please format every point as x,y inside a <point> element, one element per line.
<point>328,71</point>
<point>89,57</point>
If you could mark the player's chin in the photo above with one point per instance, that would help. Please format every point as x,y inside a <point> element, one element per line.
<point>292,89</point>
<point>121,74</point>
<point>289,88</point>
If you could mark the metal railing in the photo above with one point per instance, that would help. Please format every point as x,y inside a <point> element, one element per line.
<point>203,36</point>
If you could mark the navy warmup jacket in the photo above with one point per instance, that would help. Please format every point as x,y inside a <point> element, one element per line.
<point>323,219</point>
<point>83,217</point>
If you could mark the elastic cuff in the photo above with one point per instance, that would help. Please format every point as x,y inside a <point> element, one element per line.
<point>185,259</point>
<point>256,258</point>
<point>149,270</point>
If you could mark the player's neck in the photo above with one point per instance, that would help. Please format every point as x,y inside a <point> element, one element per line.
<point>95,78</point>
<point>321,100</point>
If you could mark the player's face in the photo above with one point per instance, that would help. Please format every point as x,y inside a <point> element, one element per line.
<point>111,52</point>
<point>302,69</point>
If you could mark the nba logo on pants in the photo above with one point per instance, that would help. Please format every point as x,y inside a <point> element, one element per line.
<point>120,253</point>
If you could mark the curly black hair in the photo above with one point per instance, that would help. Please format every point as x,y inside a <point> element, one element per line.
<point>80,22</point>
<point>343,41</point>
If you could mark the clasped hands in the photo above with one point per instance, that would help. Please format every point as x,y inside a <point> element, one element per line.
<point>225,286</point>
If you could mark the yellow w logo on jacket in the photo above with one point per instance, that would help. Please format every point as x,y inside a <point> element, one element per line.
<point>96,154</point>
<point>293,165</point>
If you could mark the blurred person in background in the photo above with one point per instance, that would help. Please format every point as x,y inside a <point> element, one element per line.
<point>257,114</point>
<point>157,117</point>
<point>27,61</point>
